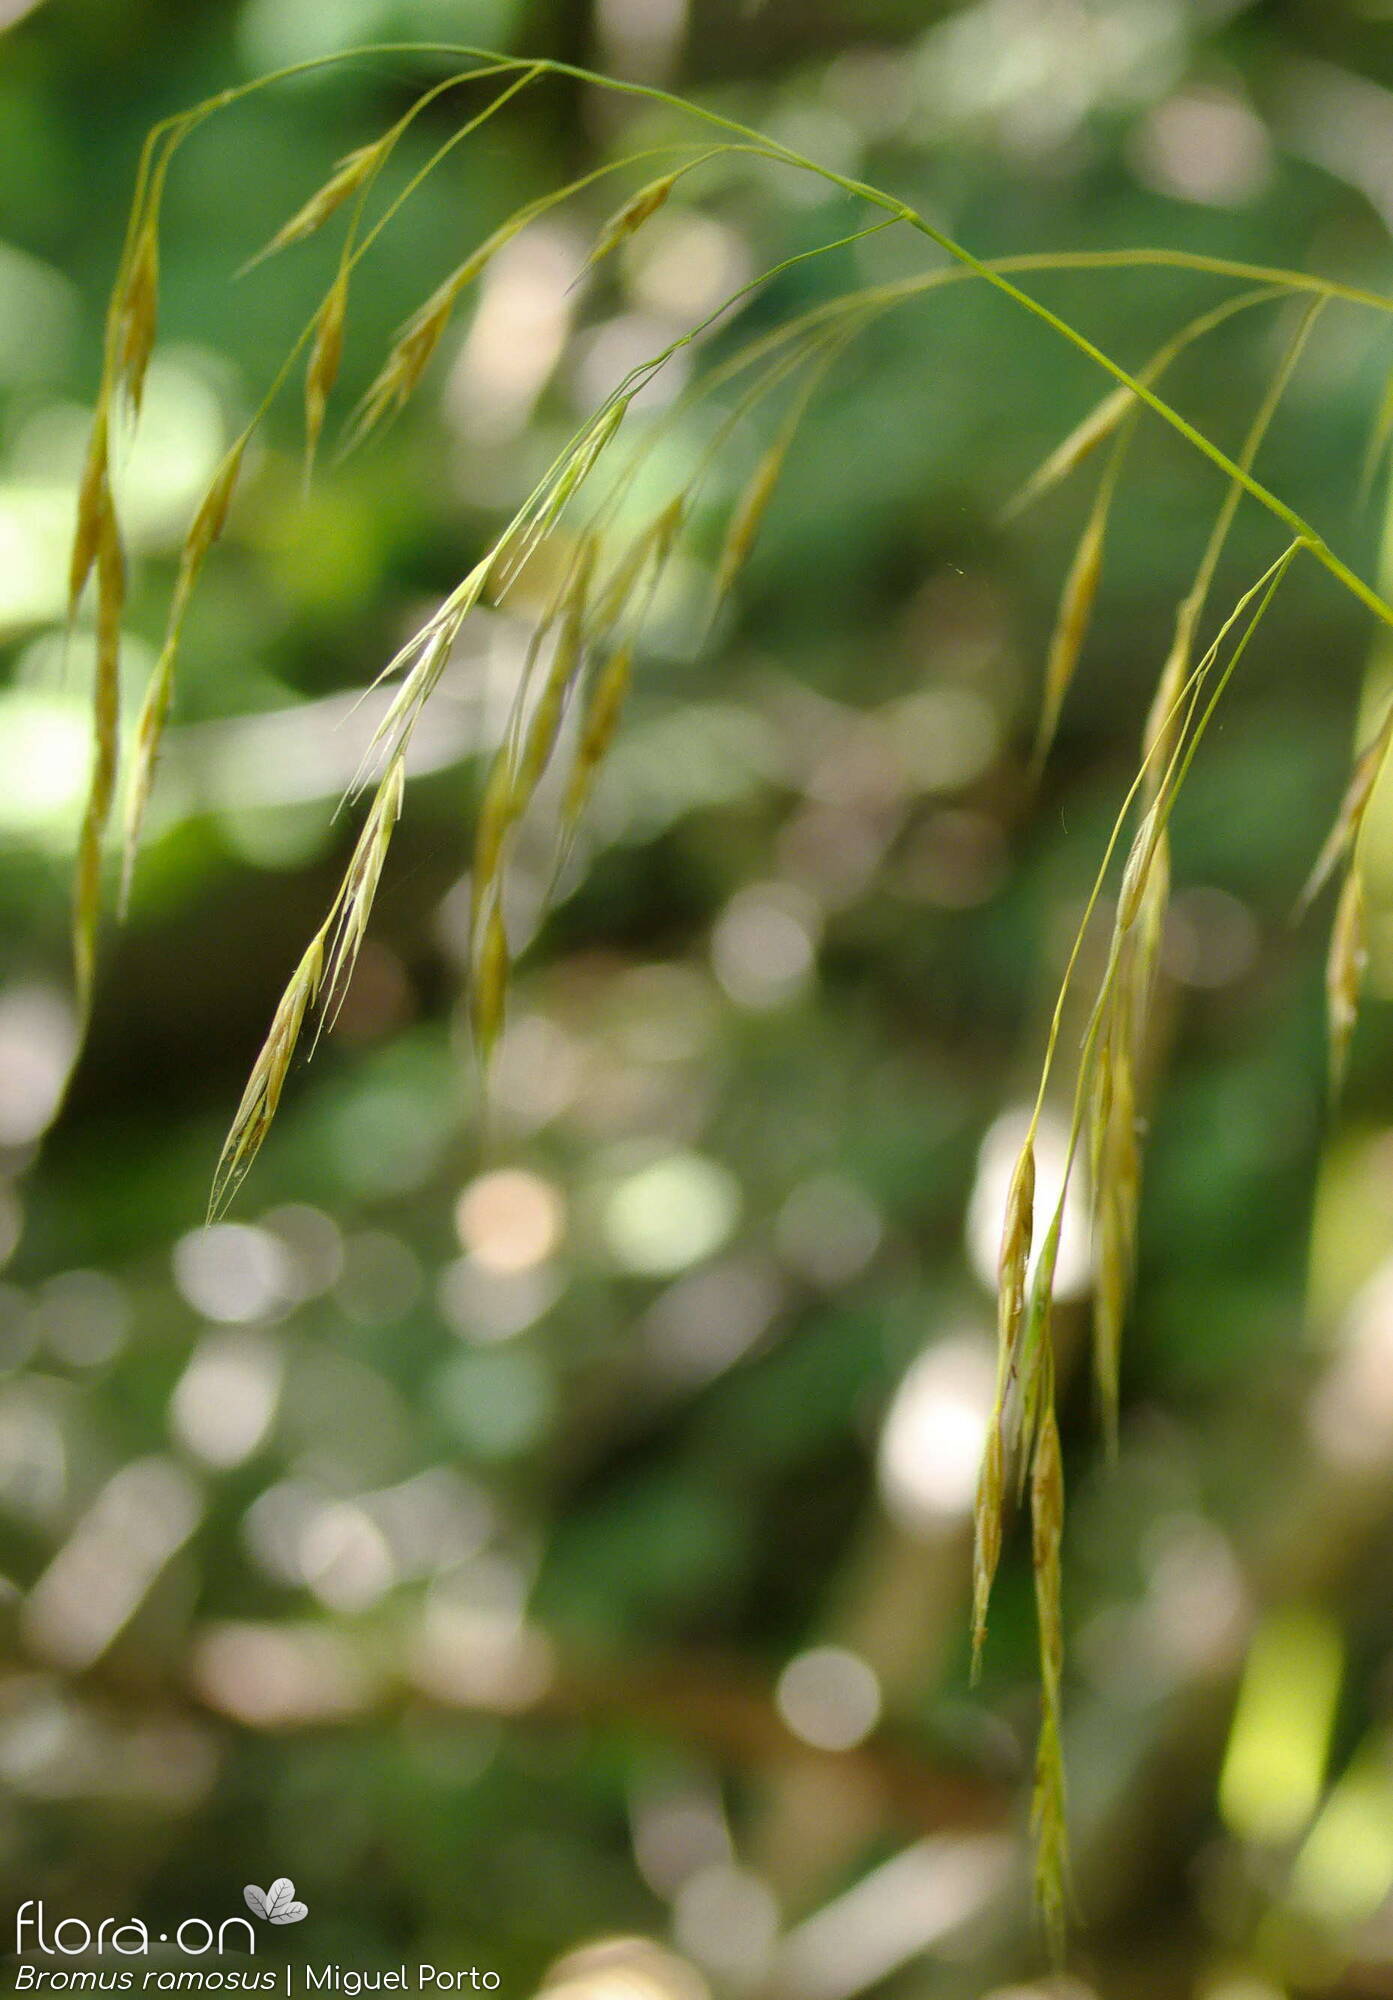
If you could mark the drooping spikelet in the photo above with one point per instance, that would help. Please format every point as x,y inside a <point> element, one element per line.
<point>489,991</point>
<point>597,731</point>
<point>1012,1265</point>
<point>1048,1805</point>
<point>352,172</point>
<point>497,812</point>
<point>1085,438</point>
<point>417,339</point>
<point>263,1092</point>
<point>1014,1259</point>
<point>106,723</point>
<point>1071,622</point>
<point>567,655</point>
<point>987,1521</point>
<point>1165,718</point>
<point>94,509</point>
<point>747,516</point>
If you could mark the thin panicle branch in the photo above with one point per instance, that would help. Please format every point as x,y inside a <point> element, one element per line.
<point>579,666</point>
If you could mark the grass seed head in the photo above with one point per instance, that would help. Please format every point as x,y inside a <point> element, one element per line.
<point>137,311</point>
<point>1071,625</point>
<point>351,173</point>
<point>630,218</point>
<point>416,342</point>
<point>748,517</point>
<point>211,518</point>
<point>262,1095</point>
<point>1099,425</point>
<point>149,733</point>
<point>93,509</point>
<point>545,720</point>
<point>1014,1257</point>
<point>597,730</point>
<point>1166,715</point>
<point>1048,1807</point>
<point>1037,1344</point>
<point>489,993</point>
<point>326,353</point>
<point>1050,1829</point>
<point>497,812</point>
<point>986,1540</point>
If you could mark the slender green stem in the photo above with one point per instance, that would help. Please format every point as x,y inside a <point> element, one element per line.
<point>991,273</point>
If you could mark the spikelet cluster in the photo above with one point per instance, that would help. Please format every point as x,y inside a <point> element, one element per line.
<point>577,679</point>
<point>1024,1425</point>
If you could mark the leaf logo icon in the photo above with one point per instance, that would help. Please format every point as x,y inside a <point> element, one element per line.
<point>276,1905</point>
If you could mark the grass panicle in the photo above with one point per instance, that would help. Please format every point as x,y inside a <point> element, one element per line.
<point>580,663</point>
<point>1344,973</point>
<point>320,980</point>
